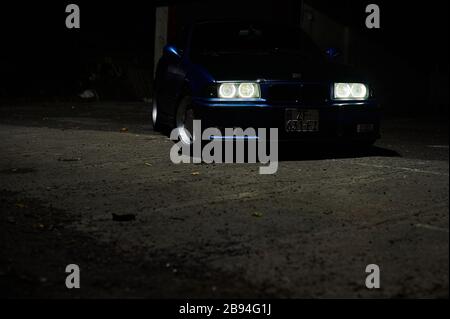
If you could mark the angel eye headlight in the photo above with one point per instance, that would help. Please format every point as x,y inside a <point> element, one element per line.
<point>248,90</point>
<point>350,91</point>
<point>358,91</point>
<point>245,90</point>
<point>342,90</point>
<point>227,90</point>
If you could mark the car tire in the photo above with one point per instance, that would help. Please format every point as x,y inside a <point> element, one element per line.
<point>365,144</point>
<point>183,120</point>
<point>156,118</point>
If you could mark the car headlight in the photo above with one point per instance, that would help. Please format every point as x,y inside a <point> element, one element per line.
<point>245,90</point>
<point>350,91</point>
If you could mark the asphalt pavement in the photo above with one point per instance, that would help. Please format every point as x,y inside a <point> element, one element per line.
<point>92,184</point>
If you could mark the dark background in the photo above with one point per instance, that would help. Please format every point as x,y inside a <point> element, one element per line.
<point>42,59</point>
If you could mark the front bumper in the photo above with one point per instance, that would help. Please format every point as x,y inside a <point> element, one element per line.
<point>352,121</point>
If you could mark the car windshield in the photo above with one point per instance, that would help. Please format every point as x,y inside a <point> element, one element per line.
<point>223,38</point>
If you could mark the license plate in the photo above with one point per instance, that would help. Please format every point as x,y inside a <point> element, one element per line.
<point>364,128</point>
<point>302,120</point>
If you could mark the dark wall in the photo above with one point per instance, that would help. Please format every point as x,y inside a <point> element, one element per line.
<point>40,57</point>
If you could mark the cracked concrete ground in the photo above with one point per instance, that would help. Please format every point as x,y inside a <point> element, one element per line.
<point>218,230</point>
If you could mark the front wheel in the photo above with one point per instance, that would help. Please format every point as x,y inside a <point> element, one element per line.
<point>156,118</point>
<point>184,121</point>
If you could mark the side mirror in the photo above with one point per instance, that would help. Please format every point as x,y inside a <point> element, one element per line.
<point>332,53</point>
<point>171,49</point>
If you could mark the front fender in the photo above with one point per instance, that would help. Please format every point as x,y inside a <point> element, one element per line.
<point>197,78</point>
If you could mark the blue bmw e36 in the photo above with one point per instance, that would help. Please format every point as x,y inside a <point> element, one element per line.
<point>259,74</point>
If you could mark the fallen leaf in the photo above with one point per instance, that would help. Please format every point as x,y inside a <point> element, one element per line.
<point>195,173</point>
<point>21,205</point>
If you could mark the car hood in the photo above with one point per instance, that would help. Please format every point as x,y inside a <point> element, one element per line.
<point>229,67</point>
